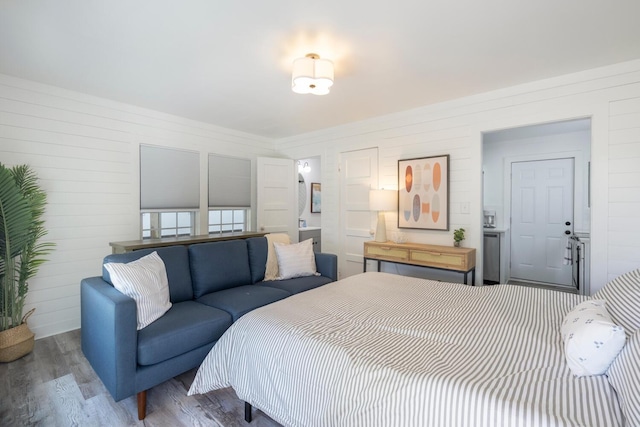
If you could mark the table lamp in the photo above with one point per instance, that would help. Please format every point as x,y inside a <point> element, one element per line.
<point>381,201</point>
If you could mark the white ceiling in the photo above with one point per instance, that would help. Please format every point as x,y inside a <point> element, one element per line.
<point>227,62</point>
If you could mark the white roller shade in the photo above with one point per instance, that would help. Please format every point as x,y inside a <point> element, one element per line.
<point>229,181</point>
<point>169,178</point>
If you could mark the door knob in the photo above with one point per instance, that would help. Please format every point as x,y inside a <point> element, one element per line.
<point>568,223</point>
<point>567,232</point>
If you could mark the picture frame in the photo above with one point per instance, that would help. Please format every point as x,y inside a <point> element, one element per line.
<point>316,197</point>
<point>423,193</point>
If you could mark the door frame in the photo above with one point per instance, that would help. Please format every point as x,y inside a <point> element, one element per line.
<point>578,193</point>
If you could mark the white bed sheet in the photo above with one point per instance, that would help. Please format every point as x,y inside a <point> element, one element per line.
<point>386,350</point>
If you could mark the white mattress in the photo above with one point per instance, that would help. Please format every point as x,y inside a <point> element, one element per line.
<point>386,350</point>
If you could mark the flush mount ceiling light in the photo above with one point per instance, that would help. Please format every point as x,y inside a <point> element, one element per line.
<point>312,75</point>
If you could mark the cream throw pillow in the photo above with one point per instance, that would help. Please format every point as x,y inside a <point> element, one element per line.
<point>144,280</point>
<point>271,270</point>
<point>296,260</point>
<point>591,340</point>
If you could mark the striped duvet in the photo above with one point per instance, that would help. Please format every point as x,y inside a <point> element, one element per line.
<point>386,350</point>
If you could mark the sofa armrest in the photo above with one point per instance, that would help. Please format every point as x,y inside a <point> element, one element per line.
<point>327,265</point>
<point>109,335</point>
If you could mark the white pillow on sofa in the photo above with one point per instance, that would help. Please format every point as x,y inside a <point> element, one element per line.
<point>144,280</point>
<point>296,260</point>
<point>271,268</point>
<point>591,340</point>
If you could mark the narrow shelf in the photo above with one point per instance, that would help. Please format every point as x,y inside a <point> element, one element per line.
<point>134,245</point>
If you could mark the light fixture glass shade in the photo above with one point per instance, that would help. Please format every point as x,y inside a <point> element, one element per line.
<point>304,168</point>
<point>383,200</point>
<point>312,75</point>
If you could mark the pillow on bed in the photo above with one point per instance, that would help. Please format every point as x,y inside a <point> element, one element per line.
<point>271,268</point>
<point>624,377</point>
<point>591,340</point>
<point>295,260</point>
<point>622,295</point>
<point>144,280</point>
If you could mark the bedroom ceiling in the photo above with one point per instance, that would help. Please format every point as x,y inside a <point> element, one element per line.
<point>228,62</point>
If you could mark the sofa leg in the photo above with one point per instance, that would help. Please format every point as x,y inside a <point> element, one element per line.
<point>142,405</point>
<point>247,412</point>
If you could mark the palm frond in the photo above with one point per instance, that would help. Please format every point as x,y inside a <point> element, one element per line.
<point>22,205</point>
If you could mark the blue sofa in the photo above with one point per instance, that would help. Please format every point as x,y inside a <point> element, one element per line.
<point>210,284</point>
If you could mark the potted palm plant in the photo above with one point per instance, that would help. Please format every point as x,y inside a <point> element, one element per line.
<point>22,205</point>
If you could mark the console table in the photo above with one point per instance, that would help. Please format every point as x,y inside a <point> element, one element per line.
<point>134,245</point>
<point>449,258</point>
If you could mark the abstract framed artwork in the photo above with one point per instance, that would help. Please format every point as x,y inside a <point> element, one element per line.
<point>316,197</point>
<point>423,195</point>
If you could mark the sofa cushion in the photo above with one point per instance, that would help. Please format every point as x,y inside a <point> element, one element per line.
<point>299,284</point>
<point>219,265</point>
<point>257,247</point>
<point>185,327</point>
<point>242,299</point>
<point>176,262</point>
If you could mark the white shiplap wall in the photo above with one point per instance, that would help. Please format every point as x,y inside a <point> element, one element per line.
<point>608,95</point>
<point>86,152</point>
<point>624,184</point>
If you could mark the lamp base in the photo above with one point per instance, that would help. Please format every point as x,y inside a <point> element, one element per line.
<point>381,230</point>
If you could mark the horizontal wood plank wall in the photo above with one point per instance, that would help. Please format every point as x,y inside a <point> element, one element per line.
<point>624,185</point>
<point>608,95</point>
<point>86,152</point>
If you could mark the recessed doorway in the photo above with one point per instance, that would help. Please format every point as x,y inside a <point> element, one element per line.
<point>530,252</point>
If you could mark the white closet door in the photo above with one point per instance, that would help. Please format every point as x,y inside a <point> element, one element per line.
<point>358,174</point>
<point>276,200</point>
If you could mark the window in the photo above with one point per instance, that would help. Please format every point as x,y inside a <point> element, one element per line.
<point>229,194</point>
<point>168,224</point>
<point>169,191</point>
<point>228,220</point>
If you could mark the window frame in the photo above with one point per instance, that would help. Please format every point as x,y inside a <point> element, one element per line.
<point>244,224</point>
<point>157,231</point>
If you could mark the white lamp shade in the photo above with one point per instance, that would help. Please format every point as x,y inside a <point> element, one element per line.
<point>383,200</point>
<point>312,75</point>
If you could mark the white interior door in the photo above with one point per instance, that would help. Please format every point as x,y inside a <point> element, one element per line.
<point>358,174</point>
<point>541,207</point>
<point>276,200</point>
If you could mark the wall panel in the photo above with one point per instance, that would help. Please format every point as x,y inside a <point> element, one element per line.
<point>609,95</point>
<point>85,151</point>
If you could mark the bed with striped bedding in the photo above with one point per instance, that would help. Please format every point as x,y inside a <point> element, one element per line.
<point>386,350</point>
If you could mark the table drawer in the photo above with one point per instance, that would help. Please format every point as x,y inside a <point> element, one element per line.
<point>453,261</point>
<point>387,252</point>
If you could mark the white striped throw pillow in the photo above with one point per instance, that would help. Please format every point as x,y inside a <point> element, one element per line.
<point>296,260</point>
<point>591,340</point>
<point>622,295</point>
<point>144,280</point>
<point>624,377</point>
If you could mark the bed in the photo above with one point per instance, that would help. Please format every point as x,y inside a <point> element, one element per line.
<point>377,349</point>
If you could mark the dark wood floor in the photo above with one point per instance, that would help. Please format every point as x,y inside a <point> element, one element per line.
<point>56,386</point>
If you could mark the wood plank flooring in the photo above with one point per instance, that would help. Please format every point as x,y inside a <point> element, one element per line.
<point>56,386</point>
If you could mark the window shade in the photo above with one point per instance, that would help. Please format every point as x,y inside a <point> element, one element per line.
<point>229,181</point>
<point>169,178</point>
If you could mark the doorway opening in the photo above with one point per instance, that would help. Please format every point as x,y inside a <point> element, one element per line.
<point>536,194</point>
